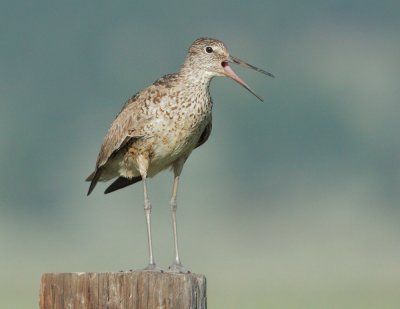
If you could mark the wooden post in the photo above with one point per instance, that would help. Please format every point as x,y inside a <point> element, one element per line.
<point>133,290</point>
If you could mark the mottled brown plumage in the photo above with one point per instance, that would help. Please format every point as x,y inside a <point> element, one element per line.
<point>161,125</point>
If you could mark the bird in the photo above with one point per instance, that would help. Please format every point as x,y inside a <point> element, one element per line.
<point>160,126</point>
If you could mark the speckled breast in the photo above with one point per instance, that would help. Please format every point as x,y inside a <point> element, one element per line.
<point>179,138</point>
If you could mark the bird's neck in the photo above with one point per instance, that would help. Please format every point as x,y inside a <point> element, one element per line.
<point>195,78</point>
<point>196,86</point>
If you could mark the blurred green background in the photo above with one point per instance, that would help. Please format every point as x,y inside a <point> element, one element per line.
<point>292,203</point>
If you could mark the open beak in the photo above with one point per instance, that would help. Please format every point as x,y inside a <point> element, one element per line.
<point>230,73</point>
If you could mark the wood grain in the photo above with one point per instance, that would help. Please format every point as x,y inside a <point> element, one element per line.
<point>138,290</point>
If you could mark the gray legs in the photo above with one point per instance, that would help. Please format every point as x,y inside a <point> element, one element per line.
<point>147,210</point>
<point>143,165</point>
<point>176,265</point>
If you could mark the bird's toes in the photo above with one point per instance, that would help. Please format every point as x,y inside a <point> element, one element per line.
<point>178,268</point>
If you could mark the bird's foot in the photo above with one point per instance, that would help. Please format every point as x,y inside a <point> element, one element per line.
<point>177,268</point>
<point>153,267</point>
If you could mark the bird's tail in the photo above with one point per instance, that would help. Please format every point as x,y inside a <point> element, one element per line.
<point>122,182</point>
<point>93,178</point>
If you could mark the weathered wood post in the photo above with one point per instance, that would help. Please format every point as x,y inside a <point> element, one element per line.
<point>133,290</point>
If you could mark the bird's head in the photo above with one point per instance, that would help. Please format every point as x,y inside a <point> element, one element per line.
<point>210,57</point>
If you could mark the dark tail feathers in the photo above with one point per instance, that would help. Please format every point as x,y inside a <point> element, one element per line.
<point>122,182</point>
<point>94,178</point>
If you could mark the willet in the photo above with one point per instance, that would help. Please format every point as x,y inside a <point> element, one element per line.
<point>160,126</point>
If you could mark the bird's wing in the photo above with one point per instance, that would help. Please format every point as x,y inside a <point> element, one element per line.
<point>125,129</point>
<point>128,126</point>
<point>205,135</point>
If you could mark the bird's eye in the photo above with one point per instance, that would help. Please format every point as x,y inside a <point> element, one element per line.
<point>209,49</point>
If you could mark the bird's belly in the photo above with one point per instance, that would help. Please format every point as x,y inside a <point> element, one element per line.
<point>173,137</point>
<point>161,149</point>
<point>162,144</point>
<point>168,147</point>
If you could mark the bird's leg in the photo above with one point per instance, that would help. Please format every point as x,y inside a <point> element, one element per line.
<point>176,266</point>
<point>147,210</point>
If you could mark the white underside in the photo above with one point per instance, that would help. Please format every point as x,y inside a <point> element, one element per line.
<point>164,155</point>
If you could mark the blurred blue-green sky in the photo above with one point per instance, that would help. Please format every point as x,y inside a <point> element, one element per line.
<point>292,203</point>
